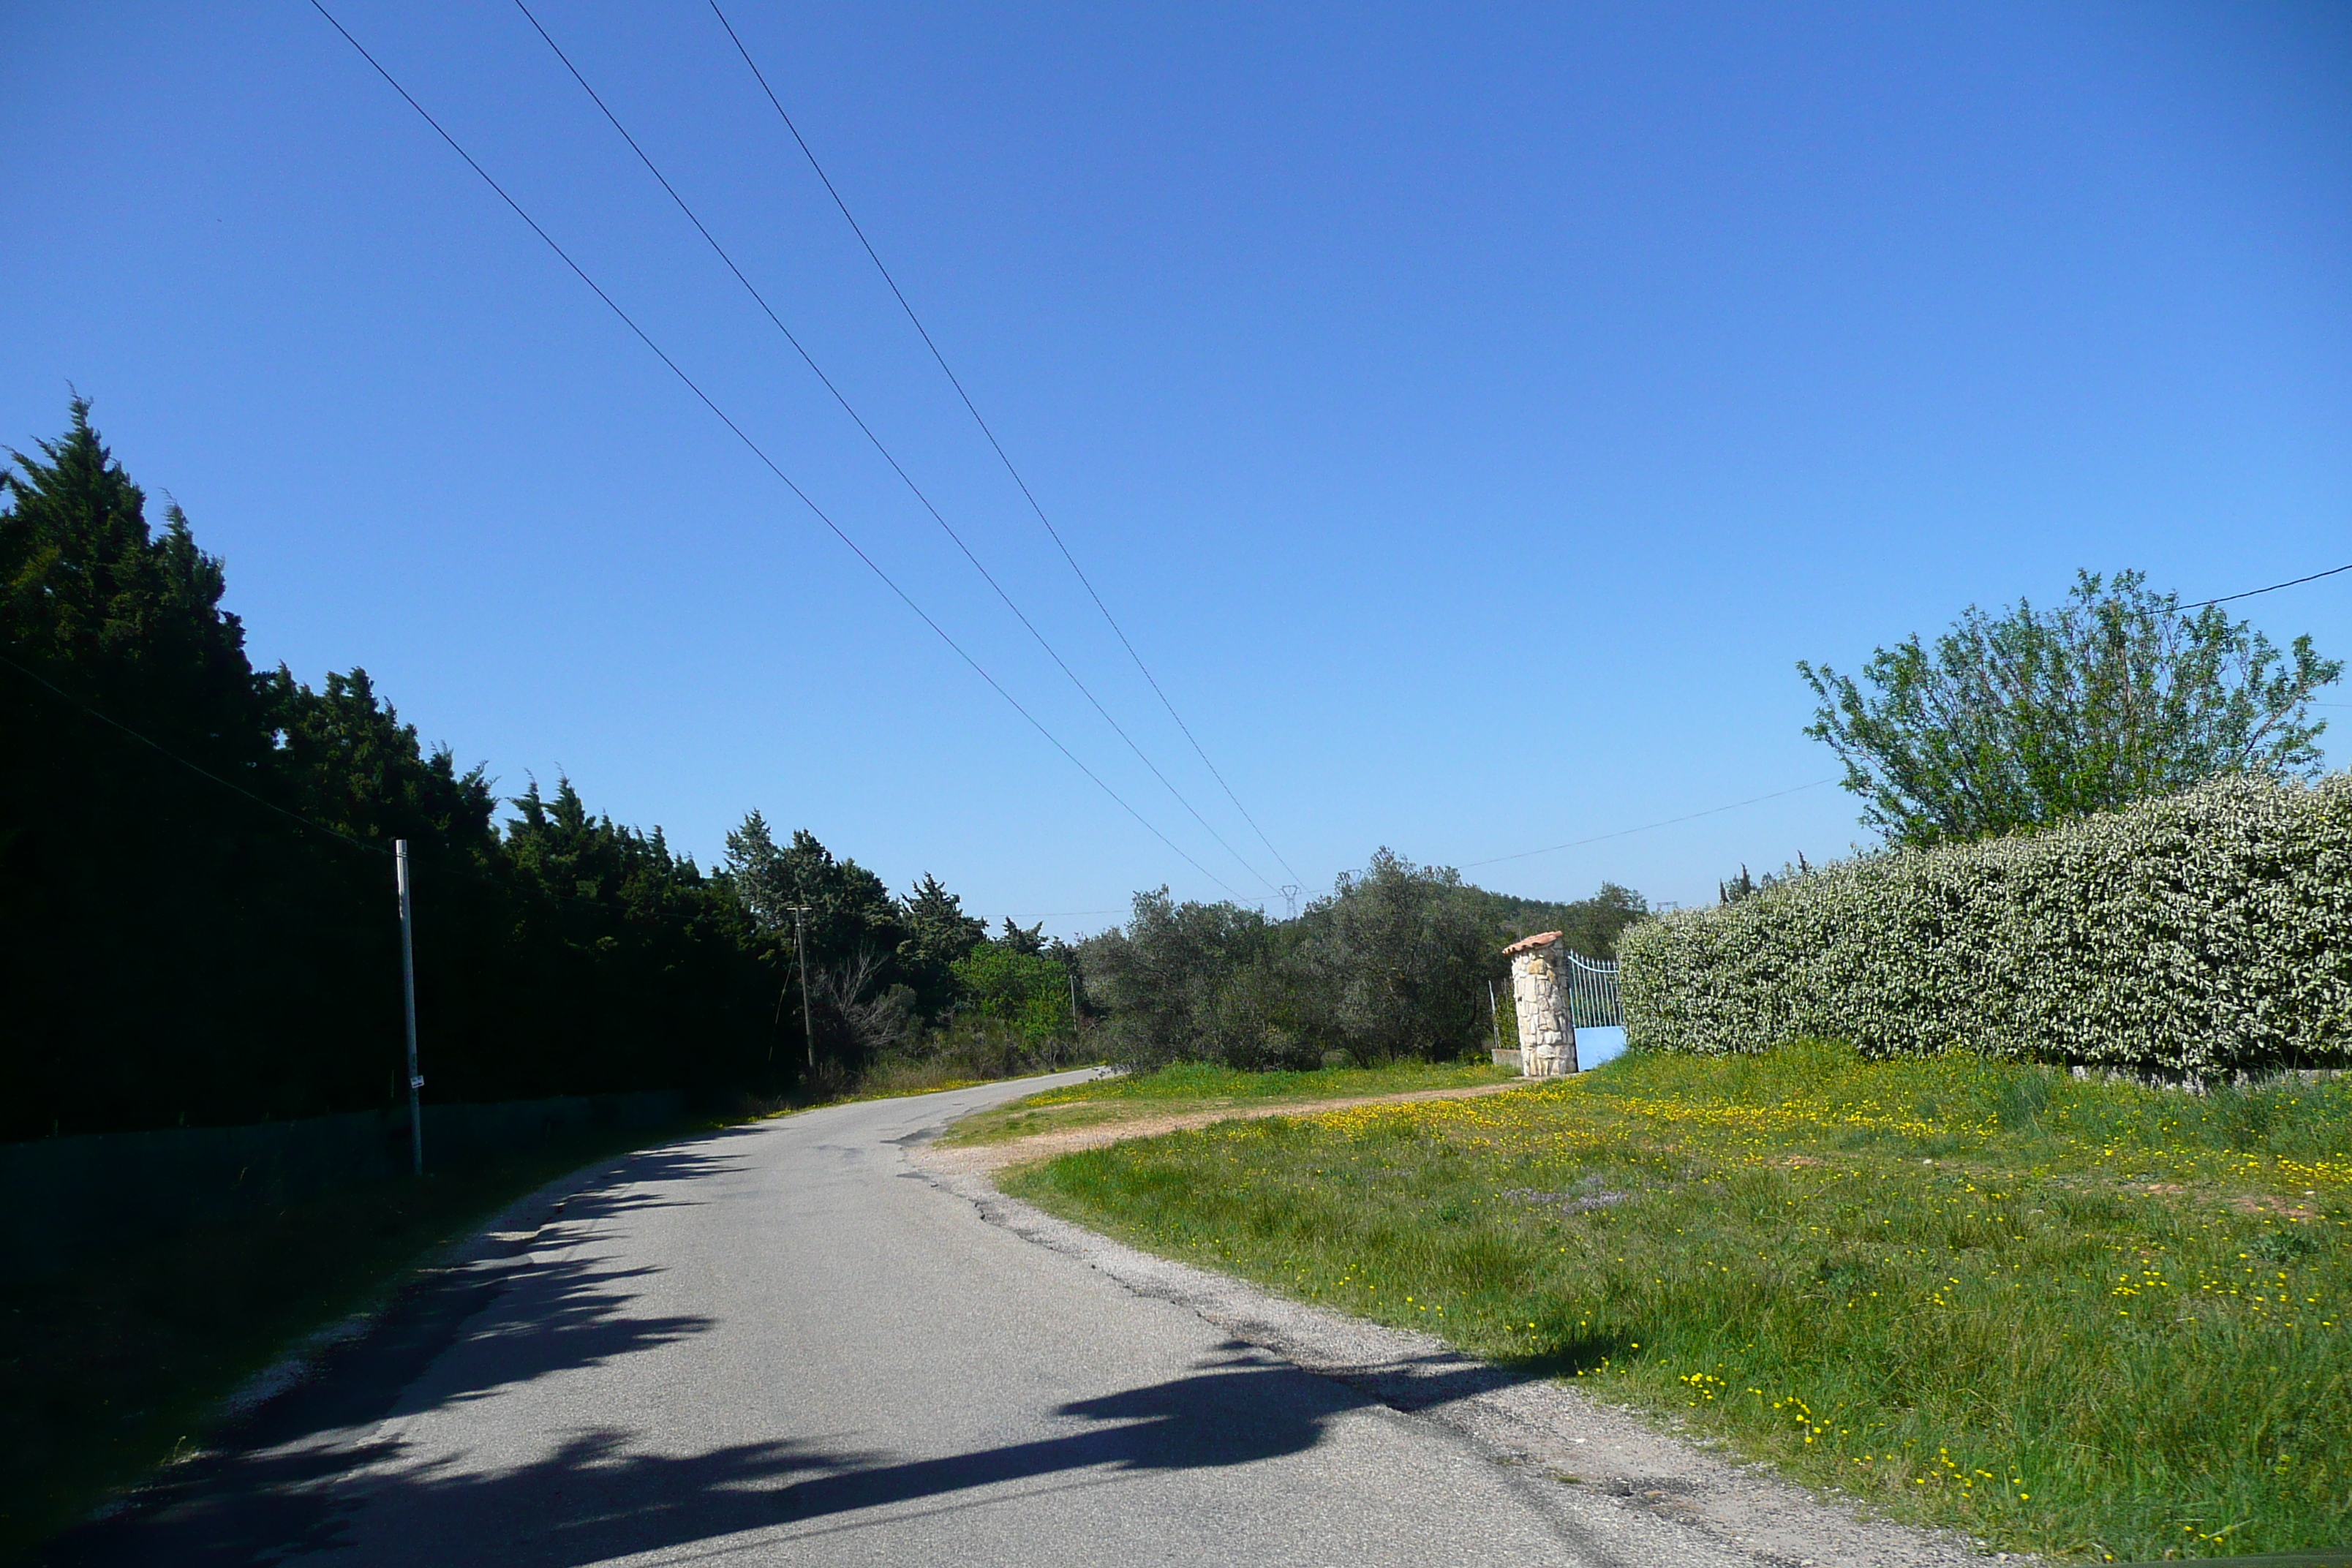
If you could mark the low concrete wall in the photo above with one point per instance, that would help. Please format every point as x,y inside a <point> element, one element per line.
<point>64,1200</point>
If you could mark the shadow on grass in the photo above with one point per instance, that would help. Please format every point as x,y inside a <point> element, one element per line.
<point>1569,1355</point>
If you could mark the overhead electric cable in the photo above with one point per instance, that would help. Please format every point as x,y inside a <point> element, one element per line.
<point>756,450</point>
<point>867,430</point>
<point>2290,583</point>
<point>1669,822</point>
<point>1002,457</point>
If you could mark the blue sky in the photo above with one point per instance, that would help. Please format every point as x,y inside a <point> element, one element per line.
<point>1471,414</point>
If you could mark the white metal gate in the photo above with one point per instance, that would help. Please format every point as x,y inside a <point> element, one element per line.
<point>1592,1000</point>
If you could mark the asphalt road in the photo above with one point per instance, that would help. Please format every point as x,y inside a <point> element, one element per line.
<point>782,1344</point>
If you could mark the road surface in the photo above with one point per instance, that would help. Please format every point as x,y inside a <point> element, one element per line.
<point>782,1344</point>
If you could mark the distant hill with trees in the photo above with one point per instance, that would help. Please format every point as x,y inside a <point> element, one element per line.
<point>1394,963</point>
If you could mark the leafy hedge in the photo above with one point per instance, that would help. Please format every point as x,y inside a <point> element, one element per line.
<point>2201,934</point>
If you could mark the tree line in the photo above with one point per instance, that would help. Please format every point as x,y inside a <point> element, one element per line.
<point>196,889</point>
<point>196,909</point>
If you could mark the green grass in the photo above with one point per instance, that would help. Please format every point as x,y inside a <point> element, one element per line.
<point>2085,1318</point>
<point>108,1370</point>
<point>1194,1085</point>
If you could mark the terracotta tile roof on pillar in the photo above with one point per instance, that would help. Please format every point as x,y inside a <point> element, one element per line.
<point>1526,943</point>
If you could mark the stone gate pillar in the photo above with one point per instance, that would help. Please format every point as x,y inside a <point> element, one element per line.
<point>1540,997</point>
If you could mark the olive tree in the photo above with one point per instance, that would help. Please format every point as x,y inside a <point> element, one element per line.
<point>1402,959</point>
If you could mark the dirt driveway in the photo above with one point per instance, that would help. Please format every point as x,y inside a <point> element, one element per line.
<point>983,1158</point>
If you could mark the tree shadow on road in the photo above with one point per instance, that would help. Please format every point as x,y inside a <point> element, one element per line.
<point>453,1334</point>
<point>303,1476</point>
<point>600,1495</point>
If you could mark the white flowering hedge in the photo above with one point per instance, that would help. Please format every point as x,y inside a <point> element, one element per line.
<point>2195,936</point>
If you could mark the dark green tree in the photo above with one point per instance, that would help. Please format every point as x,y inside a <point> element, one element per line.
<point>1402,958</point>
<point>1166,978</point>
<point>2015,722</point>
<point>848,907</point>
<point>861,999</point>
<point>129,886</point>
<point>641,970</point>
<point>940,936</point>
<point>348,761</point>
<point>125,619</point>
<point>197,926</point>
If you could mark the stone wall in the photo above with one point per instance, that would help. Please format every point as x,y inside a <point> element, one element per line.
<point>1540,994</point>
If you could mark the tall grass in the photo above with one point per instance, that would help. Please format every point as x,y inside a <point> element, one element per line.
<point>2070,1317</point>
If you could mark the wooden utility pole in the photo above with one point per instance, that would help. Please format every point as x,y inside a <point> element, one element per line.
<point>800,945</point>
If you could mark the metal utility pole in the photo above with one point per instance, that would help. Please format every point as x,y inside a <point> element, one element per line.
<point>1290,898</point>
<point>408,995</point>
<point>1495,1013</point>
<point>800,945</point>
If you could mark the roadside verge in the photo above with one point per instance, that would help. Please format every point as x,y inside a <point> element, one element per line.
<point>1620,1474</point>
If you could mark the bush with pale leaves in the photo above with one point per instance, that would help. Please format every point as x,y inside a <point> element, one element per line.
<point>2201,934</point>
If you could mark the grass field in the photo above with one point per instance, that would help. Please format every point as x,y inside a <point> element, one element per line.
<point>1194,1086</point>
<point>2086,1319</point>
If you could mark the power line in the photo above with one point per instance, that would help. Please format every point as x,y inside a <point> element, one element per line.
<point>857,420</point>
<point>1597,838</point>
<point>997,446</point>
<point>1669,822</point>
<point>196,769</point>
<point>754,448</point>
<point>2290,583</point>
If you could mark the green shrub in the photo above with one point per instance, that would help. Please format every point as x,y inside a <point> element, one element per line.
<point>1395,964</point>
<point>1027,991</point>
<point>2190,937</point>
